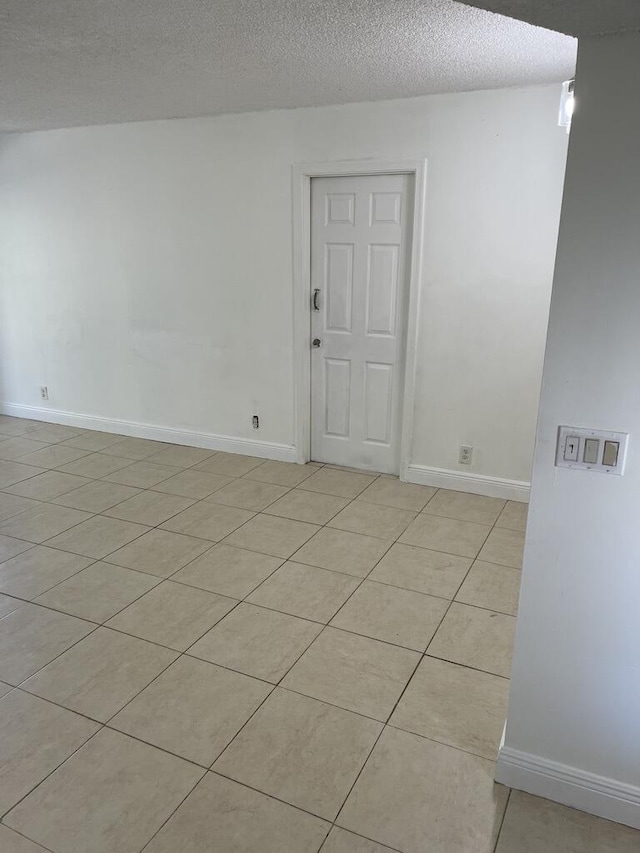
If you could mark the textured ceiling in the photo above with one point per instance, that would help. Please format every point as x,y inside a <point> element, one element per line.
<point>78,62</point>
<point>576,17</point>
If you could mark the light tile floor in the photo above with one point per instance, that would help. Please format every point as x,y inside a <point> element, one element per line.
<point>208,652</point>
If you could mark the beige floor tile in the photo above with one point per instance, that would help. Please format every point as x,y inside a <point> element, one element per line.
<point>307,506</point>
<point>477,638</point>
<point>465,507</point>
<point>53,456</point>
<point>13,448</point>
<point>13,842</point>
<point>343,484</point>
<point>514,516</point>
<point>142,475</point>
<point>15,426</point>
<point>461,538</point>
<point>504,547</point>
<point>100,674</point>
<point>341,551</point>
<point>43,522</point>
<point>4,689</point>
<point>150,508</point>
<point>391,614</point>
<point>259,642</point>
<point>228,571</point>
<point>222,816</point>
<point>455,705</point>
<point>282,473</point>
<point>159,552</point>
<point>96,496</point>
<point>268,534</point>
<point>353,672</point>
<point>96,465</point>
<point>9,547</point>
<point>208,521</point>
<point>389,491</point>
<point>181,456</point>
<point>385,522</point>
<point>193,484</point>
<point>305,591</point>
<point>173,615</point>
<point>37,570</point>
<point>49,485</point>
<point>494,587</point>
<point>408,780</point>
<point>141,785</point>
<point>229,464</point>
<point>97,537</point>
<point>93,441</point>
<point>341,841</point>
<point>534,825</point>
<point>14,472</point>
<point>32,636</point>
<point>11,505</point>
<point>248,494</point>
<point>310,762</point>
<point>135,449</point>
<point>419,569</point>
<point>52,433</point>
<point>193,709</point>
<point>98,592</point>
<point>35,738</point>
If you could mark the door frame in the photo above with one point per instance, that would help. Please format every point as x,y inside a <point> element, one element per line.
<point>302,173</point>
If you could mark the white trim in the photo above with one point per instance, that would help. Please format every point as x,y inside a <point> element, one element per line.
<point>598,795</point>
<point>301,174</point>
<point>210,441</point>
<point>460,481</point>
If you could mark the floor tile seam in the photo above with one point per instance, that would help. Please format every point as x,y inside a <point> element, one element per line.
<point>55,769</point>
<point>45,541</point>
<point>448,745</point>
<point>315,815</point>
<point>207,498</point>
<point>171,814</point>
<point>364,837</point>
<point>49,588</point>
<point>406,686</point>
<point>94,627</point>
<point>91,556</point>
<point>162,645</point>
<point>22,835</point>
<point>504,817</point>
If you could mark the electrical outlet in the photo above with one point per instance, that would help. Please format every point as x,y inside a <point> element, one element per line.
<point>44,392</point>
<point>255,420</point>
<point>465,455</point>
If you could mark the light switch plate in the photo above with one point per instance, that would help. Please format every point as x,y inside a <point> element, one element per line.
<point>583,435</point>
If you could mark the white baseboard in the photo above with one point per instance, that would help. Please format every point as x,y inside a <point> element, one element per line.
<point>210,441</point>
<point>460,481</point>
<point>571,786</point>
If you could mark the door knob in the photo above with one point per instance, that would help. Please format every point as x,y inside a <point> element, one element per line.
<point>316,342</point>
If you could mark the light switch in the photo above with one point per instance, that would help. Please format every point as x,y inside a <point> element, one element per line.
<point>610,455</point>
<point>571,448</point>
<point>591,451</point>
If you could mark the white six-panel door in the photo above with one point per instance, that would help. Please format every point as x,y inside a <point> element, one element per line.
<point>360,247</point>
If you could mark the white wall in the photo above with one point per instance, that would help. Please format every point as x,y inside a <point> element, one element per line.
<point>575,700</point>
<point>147,268</point>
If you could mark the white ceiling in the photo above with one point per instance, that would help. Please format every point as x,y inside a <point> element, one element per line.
<point>79,62</point>
<point>577,17</point>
